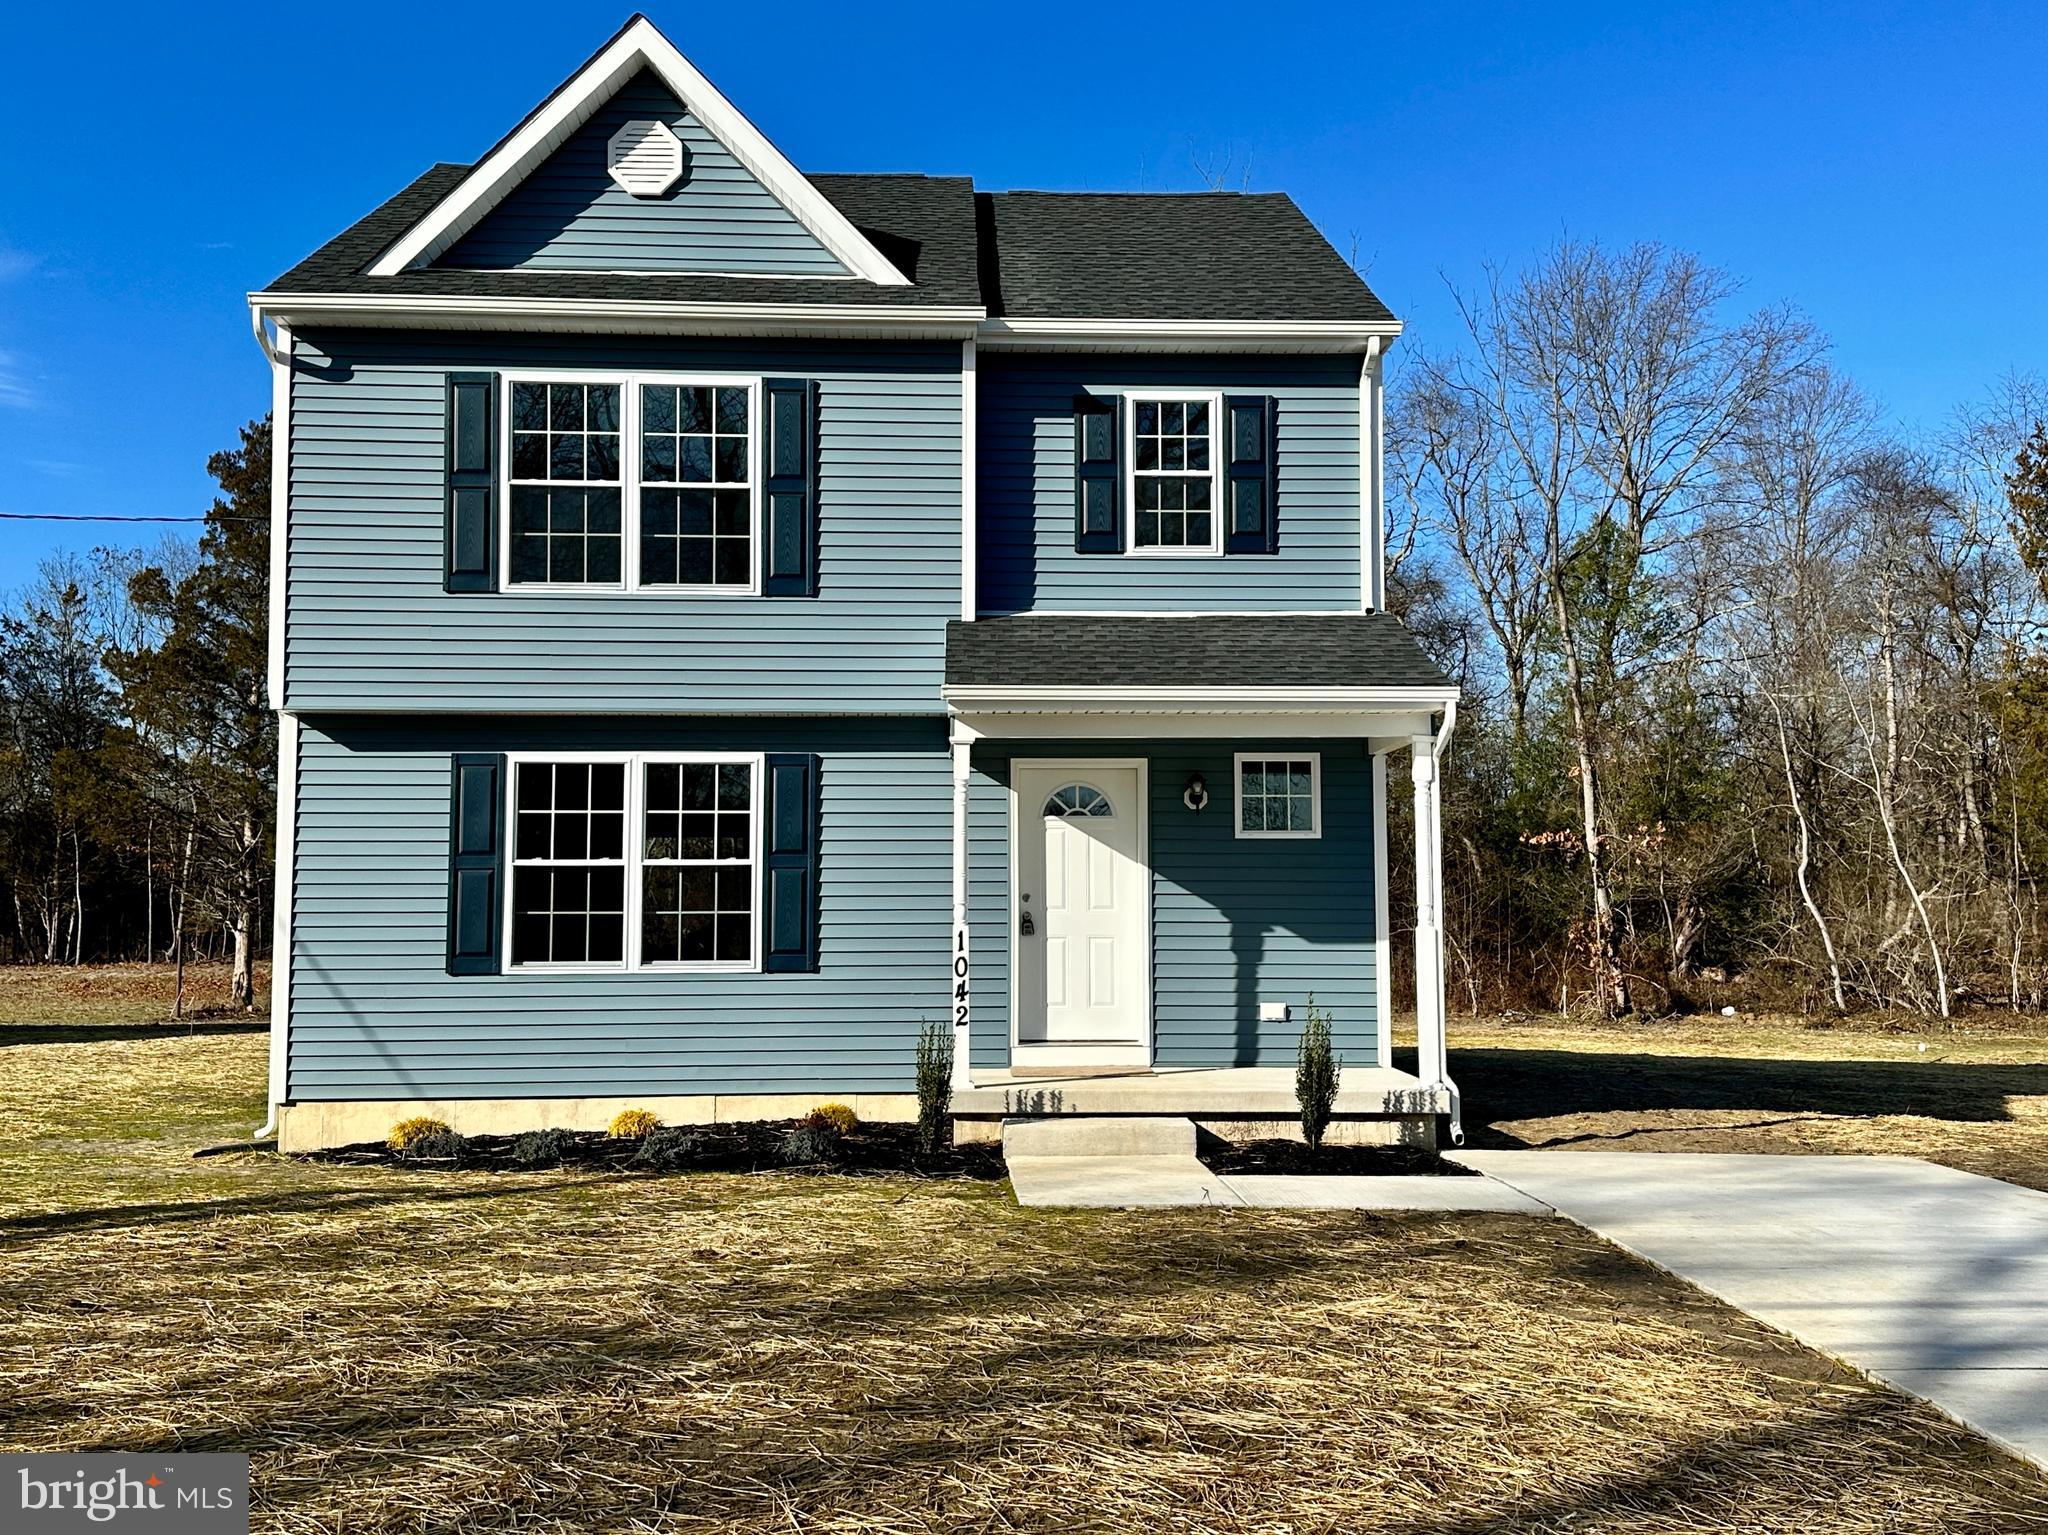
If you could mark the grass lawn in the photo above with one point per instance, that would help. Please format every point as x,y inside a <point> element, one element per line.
<point>412,1351</point>
<point>1974,1096</point>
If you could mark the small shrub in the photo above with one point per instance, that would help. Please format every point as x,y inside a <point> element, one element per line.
<point>1316,1071</point>
<point>442,1144</point>
<point>542,1148</point>
<point>810,1140</point>
<point>837,1115</point>
<point>934,1085</point>
<point>408,1133</point>
<point>634,1125</point>
<point>666,1148</point>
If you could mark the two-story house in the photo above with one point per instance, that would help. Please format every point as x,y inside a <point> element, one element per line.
<point>724,618</point>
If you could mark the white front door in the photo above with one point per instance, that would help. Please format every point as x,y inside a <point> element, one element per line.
<point>1081,913</point>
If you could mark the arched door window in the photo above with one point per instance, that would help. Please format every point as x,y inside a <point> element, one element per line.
<point>1077,801</point>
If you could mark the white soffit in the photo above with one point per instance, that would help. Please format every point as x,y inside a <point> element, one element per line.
<point>640,45</point>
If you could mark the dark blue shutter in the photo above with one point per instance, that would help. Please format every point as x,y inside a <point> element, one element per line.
<point>790,562</point>
<point>1098,510</point>
<point>1250,526</point>
<point>472,555</point>
<point>789,933</point>
<point>476,859</point>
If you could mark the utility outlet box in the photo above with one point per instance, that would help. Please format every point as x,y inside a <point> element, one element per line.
<point>1272,1012</point>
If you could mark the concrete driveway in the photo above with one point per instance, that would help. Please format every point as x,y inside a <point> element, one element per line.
<point>1932,1279</point>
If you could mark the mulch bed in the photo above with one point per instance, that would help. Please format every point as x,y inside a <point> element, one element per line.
<point>1336,1161</point>
<point>751,1146</point>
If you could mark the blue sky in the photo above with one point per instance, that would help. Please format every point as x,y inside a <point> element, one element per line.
<point>1879,165</point>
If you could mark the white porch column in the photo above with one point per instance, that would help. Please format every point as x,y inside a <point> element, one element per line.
<point>961,963</point>
<point>1429,938</point>
<point>1432,1058</point>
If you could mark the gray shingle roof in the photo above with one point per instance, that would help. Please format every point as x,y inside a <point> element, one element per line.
<point>1221,650</point>
<point>1039,255</point>
<point>1166,256</point>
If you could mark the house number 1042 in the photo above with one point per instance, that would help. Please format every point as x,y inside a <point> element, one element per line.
<point>960,978</point>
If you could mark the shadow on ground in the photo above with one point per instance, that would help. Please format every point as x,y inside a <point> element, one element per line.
<point>13,1035</point>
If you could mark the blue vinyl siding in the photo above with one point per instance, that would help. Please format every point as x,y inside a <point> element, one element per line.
<point>369,627</point>
<point>1026,532</point>
<point>569,214</point>
<point>1235,921</point>
<point>374,1015</point>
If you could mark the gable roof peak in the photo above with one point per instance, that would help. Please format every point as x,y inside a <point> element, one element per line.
<point>636,46</point>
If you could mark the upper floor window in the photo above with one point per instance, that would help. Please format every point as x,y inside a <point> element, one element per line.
<point>680,453</point>
<point>565,485</point>
<point>1174,466</point>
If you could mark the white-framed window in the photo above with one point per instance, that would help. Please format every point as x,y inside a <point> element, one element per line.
<point>1279,794</point>
<point>634,861</point>
<point>632,482</point>
<point>1175,495</point>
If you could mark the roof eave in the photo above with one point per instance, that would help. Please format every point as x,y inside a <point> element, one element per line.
<point>972,698</point>
<point>1026,333</point>
<point>615,316</point>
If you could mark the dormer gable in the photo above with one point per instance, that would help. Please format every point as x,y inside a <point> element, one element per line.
<point>547,196</point>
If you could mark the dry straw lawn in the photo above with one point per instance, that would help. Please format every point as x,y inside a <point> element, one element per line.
<point>1974,1096</point>
<point>408,1351</point>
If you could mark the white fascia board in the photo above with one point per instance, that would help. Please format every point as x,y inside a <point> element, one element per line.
<point>639,45</point>
<point>1025,699</point>
<point>1023,333</point>
<point>624,316</point>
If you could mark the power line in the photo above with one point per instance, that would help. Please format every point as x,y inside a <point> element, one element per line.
<point>108,517</point>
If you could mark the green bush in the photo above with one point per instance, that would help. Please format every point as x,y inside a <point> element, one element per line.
<point>408,1133</point>
<point>438,1145</point>
<point>810,1141</point>
<point>666,1149</point>
<point>1316,1070</point>
<point>542,1148</point>
<point>934,1085</point>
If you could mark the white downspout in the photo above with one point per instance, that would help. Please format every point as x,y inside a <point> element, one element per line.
<point>279,356</point>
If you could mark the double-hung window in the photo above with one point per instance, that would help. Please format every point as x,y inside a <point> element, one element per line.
<point>1174,490</point>
<point>565,488</point>
<point>633,482</point>
<point>1279,794</point>
<point>643,861</point>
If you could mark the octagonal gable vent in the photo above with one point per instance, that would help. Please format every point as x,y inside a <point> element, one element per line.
<point>645,157</point>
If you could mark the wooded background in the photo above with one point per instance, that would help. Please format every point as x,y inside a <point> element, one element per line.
<point>1756,696</point>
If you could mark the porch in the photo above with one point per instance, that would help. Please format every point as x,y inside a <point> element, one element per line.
<point>1155,883</point>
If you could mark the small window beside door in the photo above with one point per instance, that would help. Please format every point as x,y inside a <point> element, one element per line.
<point>1279,794</point>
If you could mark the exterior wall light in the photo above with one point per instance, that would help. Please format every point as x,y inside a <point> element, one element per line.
<point>1196,795</point>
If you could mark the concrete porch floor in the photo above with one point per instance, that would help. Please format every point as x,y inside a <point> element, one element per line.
<point>1201,1093</point>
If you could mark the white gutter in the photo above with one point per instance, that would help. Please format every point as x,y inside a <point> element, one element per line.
<point>481,312</point>
<point>1031,699</point>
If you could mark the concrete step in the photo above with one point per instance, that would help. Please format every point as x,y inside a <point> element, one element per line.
<point>1073,1135</point>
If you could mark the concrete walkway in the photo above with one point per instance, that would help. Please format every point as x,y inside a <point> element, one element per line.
<point>1931,1279</point>
<point>1128,1182</point>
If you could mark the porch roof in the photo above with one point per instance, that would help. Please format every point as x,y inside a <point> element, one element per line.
<point>1209,651</point>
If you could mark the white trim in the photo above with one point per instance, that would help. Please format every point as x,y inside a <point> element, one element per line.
<point>280,503</point>
<point>959,982</point>
<point>1034,699</point>
<point>1372,479</point>
<point>970,457</point>
<point>629,482</point>
<point>622,316</point>
<point>283,895</point>
<point>1371,727</point>
<point>639,44</point>
<point>1024,333</point>
<point>1053,1053</point>
<point>632,863</point>
<point>1315,795</point>
<point>1382,918</point>
<point>1128,426</point>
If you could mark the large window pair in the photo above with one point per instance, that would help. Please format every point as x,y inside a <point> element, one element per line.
<point>632,482</point>
<point>642,862</point>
